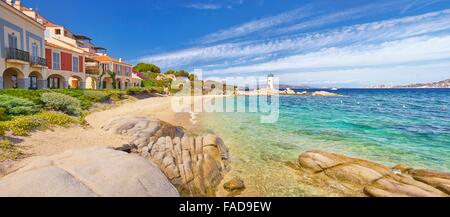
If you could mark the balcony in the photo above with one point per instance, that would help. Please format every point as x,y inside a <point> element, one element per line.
<point>38,61</point>
<point>16,54</point>
<point>92,70</point>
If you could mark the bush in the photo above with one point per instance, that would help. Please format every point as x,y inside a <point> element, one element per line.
<point>17,106</point>
<point>3,115</point>
<point>33,95</point>
<point>57,119</point>
<point>8,151</point>
<point>96,96</point>
<point>115,95</point>
<point>23,125</point>
<point>84,101</point>
<point>61,102</point>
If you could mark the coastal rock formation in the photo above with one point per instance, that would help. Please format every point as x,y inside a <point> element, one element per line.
<point>325,94</point>
<point>88,173</point>
<point>268,92</point>
<point>359,177</point>
<point>194,164</point>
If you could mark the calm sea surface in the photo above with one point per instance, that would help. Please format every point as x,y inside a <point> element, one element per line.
<point>389,126</point>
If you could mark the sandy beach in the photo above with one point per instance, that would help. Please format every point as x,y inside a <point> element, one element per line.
<point>59,140</point>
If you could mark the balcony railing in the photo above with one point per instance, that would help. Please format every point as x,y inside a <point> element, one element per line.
<point>93,70</point>
<point>16,54</point>
<point>38,61</point>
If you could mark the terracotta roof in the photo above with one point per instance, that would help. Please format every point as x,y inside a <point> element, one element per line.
<point>103,58</point>
<point>61,48</point>
<point>50,24</point>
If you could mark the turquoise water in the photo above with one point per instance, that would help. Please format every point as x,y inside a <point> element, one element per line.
<point>389,126</point>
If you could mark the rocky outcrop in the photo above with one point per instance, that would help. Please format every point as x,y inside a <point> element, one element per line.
<point>360,177</point>
<point>325,94</point>
<point>88,173</point>
<point>194,164</point>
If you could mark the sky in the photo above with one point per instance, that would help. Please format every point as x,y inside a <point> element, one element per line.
<point>326,43</point>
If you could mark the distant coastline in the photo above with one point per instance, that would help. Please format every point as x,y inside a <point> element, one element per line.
<point>439,84</point>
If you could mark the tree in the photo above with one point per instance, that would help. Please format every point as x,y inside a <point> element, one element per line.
<point>170,72</point>
<point>147,68</point>
<point>113,77</point>
<point>192,77</point>
<point>182,73</point>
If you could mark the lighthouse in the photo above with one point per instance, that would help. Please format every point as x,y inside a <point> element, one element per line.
<point>270,85</point>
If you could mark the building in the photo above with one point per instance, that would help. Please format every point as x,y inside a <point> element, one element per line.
<point>270,82</point>
<point>22,47</point>
<point>37,53</point>
<point>114,70</point>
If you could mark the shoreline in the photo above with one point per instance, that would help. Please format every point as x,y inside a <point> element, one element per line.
<point>59,140</point>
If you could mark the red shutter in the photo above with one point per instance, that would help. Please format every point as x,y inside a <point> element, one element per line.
<point>81,63</point>
<point>48,57</point>
<point>66,61</point>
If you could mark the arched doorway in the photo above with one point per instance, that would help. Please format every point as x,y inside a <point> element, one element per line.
<point>107,83</point>
<point>118,84</point>
<point>75,82</point>
<point>36,81</point>
<point>91,83</point>
<point>13,78</point>
<point>55,81</point>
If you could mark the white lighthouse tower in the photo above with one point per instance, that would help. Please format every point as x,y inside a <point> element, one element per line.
<point>270,84</point>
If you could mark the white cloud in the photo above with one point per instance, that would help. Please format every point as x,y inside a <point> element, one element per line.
<point>389,53</point>
<point>251,52</point>
<point>257,25</point>
<point>200,6</point>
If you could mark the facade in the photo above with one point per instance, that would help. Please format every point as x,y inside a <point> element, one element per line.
<point>37,54</point>
<point>122,72</point>
<point>22,45</point>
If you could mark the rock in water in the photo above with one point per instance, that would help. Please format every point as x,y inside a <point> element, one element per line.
<point>194,164</point>
<point>88,173</point>
<point>372,179</point>
<point>235,184</point>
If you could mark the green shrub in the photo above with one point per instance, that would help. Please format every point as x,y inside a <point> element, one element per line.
<point>33,95</point>
<point>57,119</point>
<point>3,114</point>
<point>61,102</point>
<point>84,101</point>
<point>115,95</point>
<point>96,96</point>
<point>17,106</point>
<point>23,125</point>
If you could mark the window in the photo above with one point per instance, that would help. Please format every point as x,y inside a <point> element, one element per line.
<point>58,31</point>
<point>53,83</point>
<point>33,82</point>
<point>56,61</point>
<point>34,50</point>
<point>14,81</point>
<point>12,40</point>
<point>75,64</point>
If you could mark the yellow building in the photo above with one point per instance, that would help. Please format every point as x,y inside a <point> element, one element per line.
<point>22,46</point>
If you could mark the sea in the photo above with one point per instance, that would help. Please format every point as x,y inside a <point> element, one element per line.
<point>388,126</point>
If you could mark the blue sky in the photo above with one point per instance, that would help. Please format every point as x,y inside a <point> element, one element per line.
<point>327,43</point>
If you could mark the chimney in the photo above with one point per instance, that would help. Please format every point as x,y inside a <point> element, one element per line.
<point>18,4</point>
<point>120,59</point>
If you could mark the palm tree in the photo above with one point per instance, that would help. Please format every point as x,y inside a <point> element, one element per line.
<point>113,78</point>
